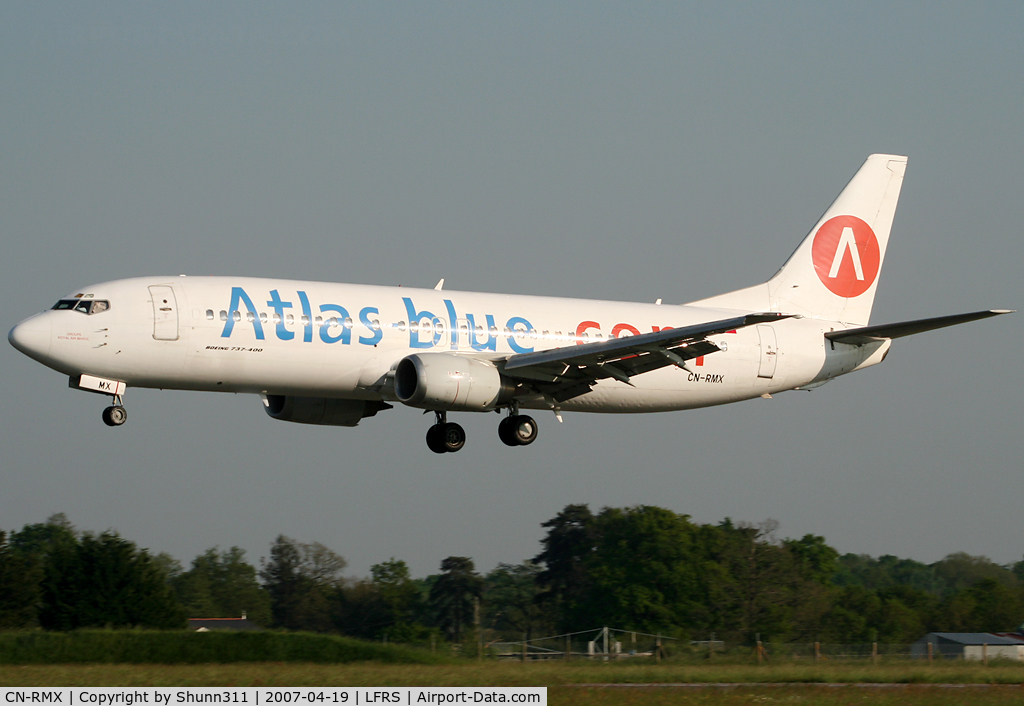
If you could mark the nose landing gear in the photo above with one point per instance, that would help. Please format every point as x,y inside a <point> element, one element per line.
<point>445,436</point>
<point>115,415</point>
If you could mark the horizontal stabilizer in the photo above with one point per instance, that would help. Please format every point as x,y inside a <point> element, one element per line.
<point>867,334</point>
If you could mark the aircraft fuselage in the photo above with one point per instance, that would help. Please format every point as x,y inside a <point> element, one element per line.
<point>284,337</point>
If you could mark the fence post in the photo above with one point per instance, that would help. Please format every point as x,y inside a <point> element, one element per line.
<point>760,654</point>
<point>657,650</point>
<point>931,649</point>
<point>476,628</point>
<point>874,653</point>
<point>568,647</point>
<point>984,653</point>
<point>817,651</point>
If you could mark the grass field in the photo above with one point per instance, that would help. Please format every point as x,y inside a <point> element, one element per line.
<point>587,683</point>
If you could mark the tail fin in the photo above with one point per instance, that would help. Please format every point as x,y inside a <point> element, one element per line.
<point>834,272</point>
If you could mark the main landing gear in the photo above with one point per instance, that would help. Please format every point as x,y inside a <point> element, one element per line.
<point>517,430</point>
<point>448,437</point>
<point>115,415</point>
<point>445,436</point>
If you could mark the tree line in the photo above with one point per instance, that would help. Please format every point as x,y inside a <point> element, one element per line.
<point>640,568</point>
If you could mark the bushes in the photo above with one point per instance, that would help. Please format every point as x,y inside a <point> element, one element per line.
<point>184,647</point>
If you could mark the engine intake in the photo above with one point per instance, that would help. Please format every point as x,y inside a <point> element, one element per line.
<point>327,411</point>
<point>444,381</point>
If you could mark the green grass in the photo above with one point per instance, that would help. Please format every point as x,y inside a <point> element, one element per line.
<point>573,675</point>
<point>578,682</point>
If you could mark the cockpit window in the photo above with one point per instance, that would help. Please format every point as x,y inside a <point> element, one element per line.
<point>86,306</point>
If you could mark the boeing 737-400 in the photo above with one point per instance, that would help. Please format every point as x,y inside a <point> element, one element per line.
<point>334,354</point>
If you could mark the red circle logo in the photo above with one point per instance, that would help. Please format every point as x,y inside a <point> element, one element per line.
<point>845,255</point>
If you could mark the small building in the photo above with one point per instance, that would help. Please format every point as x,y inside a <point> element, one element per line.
<point>242,624</point>
<point>971,645</point>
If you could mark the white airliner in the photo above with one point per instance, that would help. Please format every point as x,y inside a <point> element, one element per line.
<point>322,353</point>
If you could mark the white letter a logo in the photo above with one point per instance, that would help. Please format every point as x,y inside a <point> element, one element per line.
<point>846,240</point>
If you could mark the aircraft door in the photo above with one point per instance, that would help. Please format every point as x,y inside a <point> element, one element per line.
<point>165,313</point>
<point>769,352</point>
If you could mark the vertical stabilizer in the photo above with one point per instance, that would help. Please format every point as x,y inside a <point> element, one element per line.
<point>834,272</point>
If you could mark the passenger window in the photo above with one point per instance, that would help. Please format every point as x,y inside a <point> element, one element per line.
<point>414,326</point>
<point>236,315</point>
<point>319,321</point>
<point>277,318</point>
<point>223,315</point>
<point>493,330</point>
<point>250,317</point>
<point>209,314</point>
<point>289,319</point>
<point>263,317</point>
<point>347,323</point>
<point>305,320</point>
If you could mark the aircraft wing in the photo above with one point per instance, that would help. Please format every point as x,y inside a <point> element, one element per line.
<point>571,371</point>
<point>867,334</point>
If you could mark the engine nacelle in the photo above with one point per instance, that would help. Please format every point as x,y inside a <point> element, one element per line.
<point>444,381</point>
<point>320,410</point>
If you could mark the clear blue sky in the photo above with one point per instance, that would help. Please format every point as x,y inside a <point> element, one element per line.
<point>608,150</point>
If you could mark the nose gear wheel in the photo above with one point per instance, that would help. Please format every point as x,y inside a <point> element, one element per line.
<point>115,416</point>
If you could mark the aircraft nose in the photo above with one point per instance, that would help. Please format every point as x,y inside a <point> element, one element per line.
<point>32,336</point>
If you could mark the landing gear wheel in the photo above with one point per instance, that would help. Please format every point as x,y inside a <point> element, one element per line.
<point>506,433</point>
<point>454,436</point>
<point>435,442</point>
<point>446,437</point>
<point>115,416</point>
<point>517,430</point>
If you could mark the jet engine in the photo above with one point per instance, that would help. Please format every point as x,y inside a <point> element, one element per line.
<point>320,410</point>
<point>444,381</point>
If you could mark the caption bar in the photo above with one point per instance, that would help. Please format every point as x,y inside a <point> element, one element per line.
<point>270,696</point>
